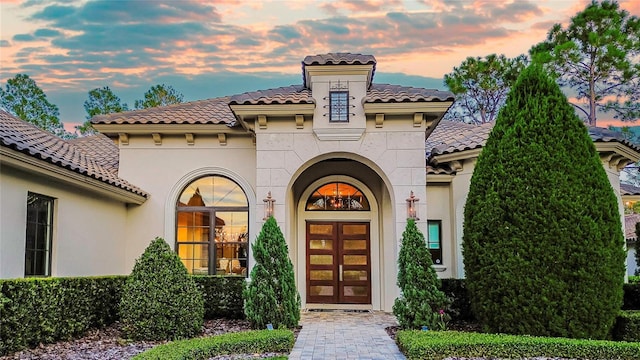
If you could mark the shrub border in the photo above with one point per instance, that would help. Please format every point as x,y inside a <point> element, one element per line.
<point>246,342</point>
<point>442,344</point>
<point>627,327</point>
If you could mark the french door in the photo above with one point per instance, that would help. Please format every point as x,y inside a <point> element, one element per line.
<point>338,262</point>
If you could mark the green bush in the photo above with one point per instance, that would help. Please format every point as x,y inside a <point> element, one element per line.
<point>627,326</point>
<point>160,300</point>
<point>248,342</point>
<point>634,279</point>
<point>444,344</point>
<point>42,310</point>
<point>272,297</point>
<point>222,296</point>
<point>543,246</point>
<point>421,303</point>
<point>459,303</point>
<point>631,297</point>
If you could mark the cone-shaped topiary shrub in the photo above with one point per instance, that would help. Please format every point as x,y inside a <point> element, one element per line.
<point>271,297</point>
<point>160,300</point>
<point>543,243</point>
<point>421,303</point>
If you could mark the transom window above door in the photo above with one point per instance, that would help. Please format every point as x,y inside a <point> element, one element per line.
<point>212,222</point>
<point>337,196</point>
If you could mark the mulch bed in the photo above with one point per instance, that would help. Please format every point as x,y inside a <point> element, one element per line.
<point>106,344</point>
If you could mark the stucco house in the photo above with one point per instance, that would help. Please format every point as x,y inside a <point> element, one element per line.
<point>342,159</point>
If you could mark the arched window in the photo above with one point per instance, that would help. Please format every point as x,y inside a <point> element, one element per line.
<point>337,196</point>
<point>212,227</point>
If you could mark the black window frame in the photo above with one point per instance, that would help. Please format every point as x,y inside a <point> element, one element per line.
<point>339,98</point>
<point>40,249</point>
<point>212,244</point>
<point>436,254</point>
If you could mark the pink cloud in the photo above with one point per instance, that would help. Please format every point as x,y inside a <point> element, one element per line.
<point>357,6</point>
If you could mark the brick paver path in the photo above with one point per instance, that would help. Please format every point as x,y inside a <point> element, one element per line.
<point>345,335</point>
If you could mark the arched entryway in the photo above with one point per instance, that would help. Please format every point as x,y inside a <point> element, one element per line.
<point>338,238</point>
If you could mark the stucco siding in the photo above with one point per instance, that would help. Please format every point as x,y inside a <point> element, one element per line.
<point>160,168</point>
<point>88,230</point>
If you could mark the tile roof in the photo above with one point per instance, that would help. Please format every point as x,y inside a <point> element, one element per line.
<point>26,138</point>
<point>605,135</point>
<point>101,149</point>
<point>210,111</point>
<point>339,59</point>
<point>386,93</point>
<point>454,137</point>
<point>630,221</point>
<point>449,137</point>
<point>628,189</point>
<point>293,94</point>
<point>440,169</point>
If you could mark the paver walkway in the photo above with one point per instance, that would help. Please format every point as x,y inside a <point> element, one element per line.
<point>345,335</point>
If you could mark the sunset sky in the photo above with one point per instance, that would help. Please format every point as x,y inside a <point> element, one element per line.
<point>206,49</point>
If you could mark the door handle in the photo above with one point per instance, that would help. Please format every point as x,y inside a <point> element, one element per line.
<point>340,270</point>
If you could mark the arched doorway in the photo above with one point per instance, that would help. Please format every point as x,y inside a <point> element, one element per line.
<point>339,244</point>
<point>338,253</point>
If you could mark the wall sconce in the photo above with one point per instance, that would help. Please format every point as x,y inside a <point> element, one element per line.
<point>268,206</point>
<point>412,210</point>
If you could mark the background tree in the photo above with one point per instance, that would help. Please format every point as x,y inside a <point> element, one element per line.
<point>421,303</point>
<point>481,86</point>
<point>272,297</point>
<point>160,300</point>
<point>542,243</point>
<point>159,95</point>
<point>23,98</point>
<point>598,58</point>
<point>100,101</point>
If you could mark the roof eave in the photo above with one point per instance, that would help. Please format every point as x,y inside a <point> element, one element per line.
<point>621,149</point>
<point>17,159</point>
<point>167,129</point>
<point>456,155</point>
<point>437,108</point>
<point>249,110</point>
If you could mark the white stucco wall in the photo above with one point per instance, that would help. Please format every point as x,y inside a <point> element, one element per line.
<point>88,229</point>
<point>395,152</point>
<point>631,259</point>
<point>438,208</point>
<point>163,170</point>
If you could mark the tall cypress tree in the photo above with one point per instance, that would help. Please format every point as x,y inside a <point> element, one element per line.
<point>421,303</point>
<point>272,297</point>
<point>543,243</point>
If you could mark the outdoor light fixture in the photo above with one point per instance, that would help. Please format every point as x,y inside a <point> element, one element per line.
<point>412,210</point>
<point>268,206</point>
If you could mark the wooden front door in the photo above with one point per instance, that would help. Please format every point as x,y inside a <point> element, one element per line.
<point>338,262</point>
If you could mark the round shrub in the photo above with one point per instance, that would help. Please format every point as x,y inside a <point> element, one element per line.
<point>543,243</point>
<point>160,301</point>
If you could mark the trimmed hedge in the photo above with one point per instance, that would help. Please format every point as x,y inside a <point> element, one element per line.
<point>222,296</point>
<point>460,308</point>
<point>460,304</point>
<point>442,344</point>
<point>631,297</point>
<point>627,326</point>
<point>40,310</point>
<point>247,342</point>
